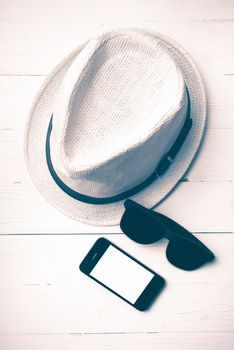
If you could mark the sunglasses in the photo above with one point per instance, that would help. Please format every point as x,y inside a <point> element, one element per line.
<point>146,226</point>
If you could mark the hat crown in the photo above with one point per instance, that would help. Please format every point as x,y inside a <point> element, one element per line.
<point>119,109</point>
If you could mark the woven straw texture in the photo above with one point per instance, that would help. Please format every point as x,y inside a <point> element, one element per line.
<point>129,117</point>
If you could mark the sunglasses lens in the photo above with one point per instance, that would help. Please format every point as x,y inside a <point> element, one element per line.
<point>186,255</point>
<point>141,227</point>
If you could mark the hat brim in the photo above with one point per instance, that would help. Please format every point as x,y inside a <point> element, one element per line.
<point>110,214</point>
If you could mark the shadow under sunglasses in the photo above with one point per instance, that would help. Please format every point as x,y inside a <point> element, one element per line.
<point>146,226</point>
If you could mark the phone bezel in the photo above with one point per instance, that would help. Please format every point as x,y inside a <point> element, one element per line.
<point>149,293</point>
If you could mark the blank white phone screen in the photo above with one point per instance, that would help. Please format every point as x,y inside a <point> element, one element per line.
<point>122,274</point>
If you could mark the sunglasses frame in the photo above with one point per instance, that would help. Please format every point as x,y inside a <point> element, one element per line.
<point>169,226</point>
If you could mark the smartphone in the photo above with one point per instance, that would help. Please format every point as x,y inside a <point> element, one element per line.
<point>122,274</point>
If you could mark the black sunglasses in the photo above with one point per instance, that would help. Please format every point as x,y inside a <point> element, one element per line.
<point>146,226</point>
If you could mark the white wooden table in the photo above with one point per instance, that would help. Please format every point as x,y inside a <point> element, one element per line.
<point>45,302</point>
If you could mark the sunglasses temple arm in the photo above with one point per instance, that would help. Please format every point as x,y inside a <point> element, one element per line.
<point>171,225</point>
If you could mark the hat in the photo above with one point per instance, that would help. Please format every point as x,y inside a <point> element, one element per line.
<point>121,117</point>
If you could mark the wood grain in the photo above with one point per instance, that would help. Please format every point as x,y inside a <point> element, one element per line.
<point>43,292</point>
<point>208,190</point>
<point>199,206</point>
<point>116,341</point>
<point>45,302</point>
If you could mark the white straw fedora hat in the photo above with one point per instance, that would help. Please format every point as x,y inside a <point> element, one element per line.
<point>121,116</point>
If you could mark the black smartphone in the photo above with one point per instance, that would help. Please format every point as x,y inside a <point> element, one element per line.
<point>122,274</point>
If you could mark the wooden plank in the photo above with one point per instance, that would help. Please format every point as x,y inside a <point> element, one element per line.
<point>56,10</point>
<point>208,193</point>
<point>116,341</point>
<point>14,110</point>
<point>42,291</point>
<point>199,206</point>
<point>38,56</point>
<point>213,163</point>
<point>43,296</point>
